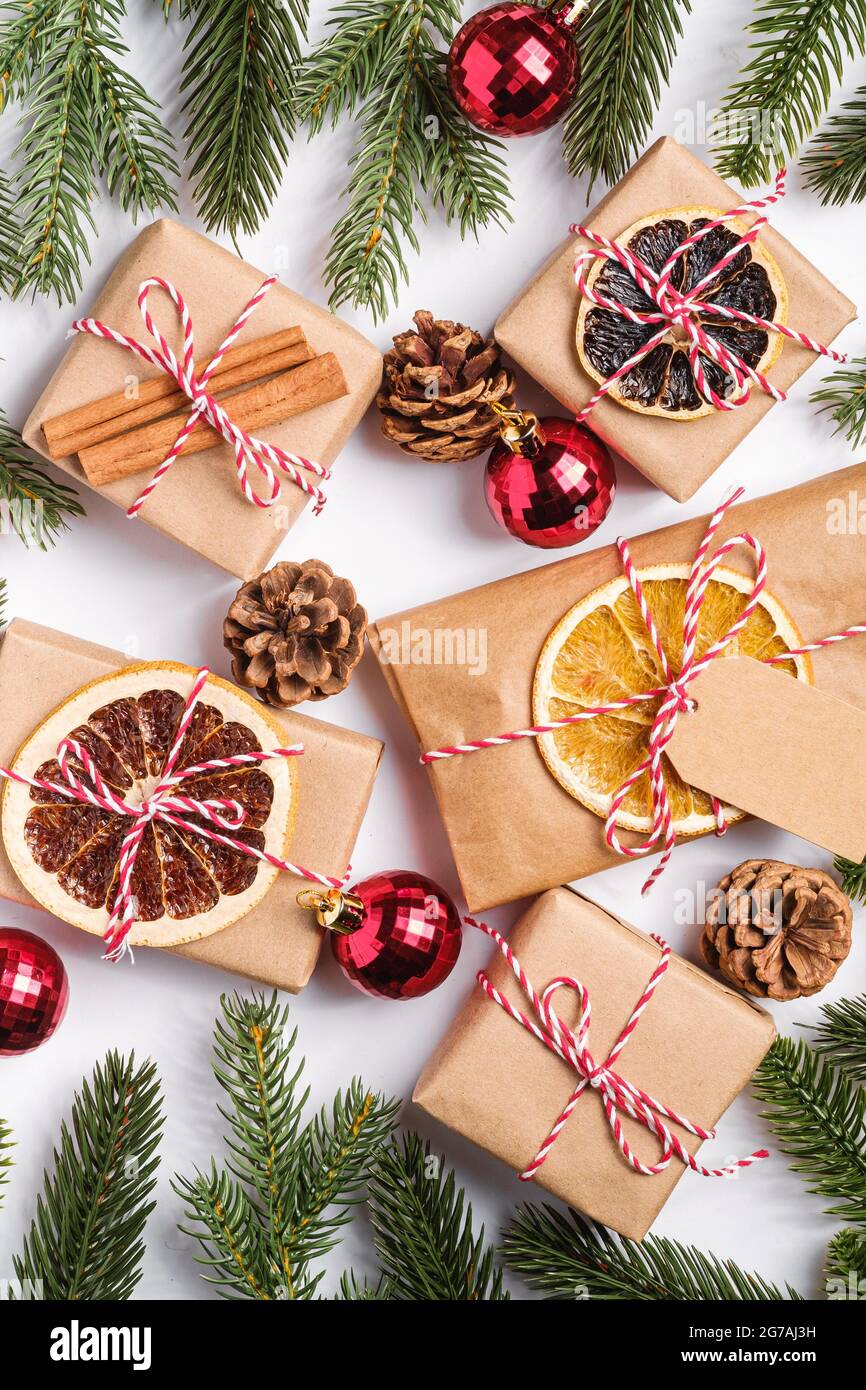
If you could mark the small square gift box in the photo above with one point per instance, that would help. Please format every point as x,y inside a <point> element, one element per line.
<point>205,398</point>
<point>670,331</point>
<point>577,734</point>
<point>240,799</point>
<point>588,1060</point>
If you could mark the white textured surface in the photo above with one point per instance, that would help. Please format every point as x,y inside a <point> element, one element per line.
<point>405,533</point>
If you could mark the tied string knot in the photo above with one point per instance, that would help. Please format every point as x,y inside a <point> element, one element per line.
<point>619,1096</point>
<point>168,804</point>
<point>249,451</point>
<point>688,312</point>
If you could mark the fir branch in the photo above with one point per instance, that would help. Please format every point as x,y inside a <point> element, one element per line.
<point>10,237</point>
<point>5,1131</point>
<point>288,1187</point>
<point>627,48</point>
<point>423,1230</point>
<point>242,57</point>
<point>136,151</point>
<point>568,1257</point>
<point>845,1268</point>
<point>841,1036</point>
<point>819,1119</point>
<point>25,38</point>
<point>842,395</point>
<point>835,164</point>
<point>34,506</point>
<point>344,68</point>
<point>798,51</point>
<point>353,1290</point>
<point>85,1242</point>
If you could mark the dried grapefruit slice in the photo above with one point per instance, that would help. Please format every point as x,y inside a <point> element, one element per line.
<point>66,853</point>
<point>600,652</point>
<point>663,383</point>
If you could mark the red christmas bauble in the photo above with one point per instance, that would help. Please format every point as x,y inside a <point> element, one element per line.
<point>513,69</point>
<point>34,991</point>
<point>552,484</point>
<point>396,935</point>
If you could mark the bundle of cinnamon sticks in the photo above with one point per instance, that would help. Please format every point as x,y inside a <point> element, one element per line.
<point>132,431</point>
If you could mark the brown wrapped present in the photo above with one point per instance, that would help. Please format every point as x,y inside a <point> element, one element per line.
<point>513,829</point>
<point>199,502</point>
<point>278,941</point>
<point>495,1083</point>
<point>538,330</point>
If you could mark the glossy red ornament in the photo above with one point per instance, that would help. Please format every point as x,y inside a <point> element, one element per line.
<point>396,935</point>
<point>34,991</point>
<point>514,68</point>
<point>549,482</point>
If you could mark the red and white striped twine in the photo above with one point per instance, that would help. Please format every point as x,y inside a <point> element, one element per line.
<point>673,695</point>
<point>618,1096</point>
<point>676,310</point>
<point>267,458</point>
<point>166,803</point>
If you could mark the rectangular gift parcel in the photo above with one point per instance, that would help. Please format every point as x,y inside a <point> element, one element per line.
<point>538,329</point>
<point>498,1085</point>
<point>277,942</point>
<point>513,830</point>
<point>199,502</point>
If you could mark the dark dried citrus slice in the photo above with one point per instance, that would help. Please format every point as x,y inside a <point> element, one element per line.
<point>66,853</point>
<point>663,383</point>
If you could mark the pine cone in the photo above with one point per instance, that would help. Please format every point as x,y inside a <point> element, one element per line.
<point>437,388</point>
<point>776,930</point>
<point>296,633</point>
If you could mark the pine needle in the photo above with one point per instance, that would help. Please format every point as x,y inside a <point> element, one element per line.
<point>797,53</point>
<point>566,1256</point>
<point>835,164</point>
<point>85,1242</point>
<point>841,1035</point>
<point>819,1119</point>
<point>10,237</point>
<point>845,1268</point>
<point>5,1152</point>
<point>842,395</point>
<point>627,48</point>
<point>423,1230</point>
<point>32,505</point>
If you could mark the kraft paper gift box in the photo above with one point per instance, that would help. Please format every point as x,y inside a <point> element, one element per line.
<point>496,1084</point>
<point>199,502</point>
<point>513,830</point>
<point>278,942</point>
<point>538,328</point>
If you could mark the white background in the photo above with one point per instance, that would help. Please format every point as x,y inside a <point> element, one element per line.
<point>405,532</point>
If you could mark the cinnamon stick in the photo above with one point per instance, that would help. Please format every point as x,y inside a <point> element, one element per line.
<point>113,415</point>
<point>268,403</point>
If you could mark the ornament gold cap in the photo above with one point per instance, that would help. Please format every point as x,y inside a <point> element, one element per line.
<point>519,429</point>
<point>339,911</point>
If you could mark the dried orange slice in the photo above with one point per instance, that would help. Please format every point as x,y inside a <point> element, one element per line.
<point>601,652</point>
<point>66,853</point>
<point>663,383</point>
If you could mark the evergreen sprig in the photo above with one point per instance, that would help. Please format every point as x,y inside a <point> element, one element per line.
<point>84,116</point>
<point>85,1242</point>
<point>841,1035</point>
<point>381,61</point>
<point>846,1257</point>
<point>5,1151</point>
<point>567,1257</point>
<point>798,51</point>
<point>241,66</point>
<point>819,1118</point>
<point>10,234</point>
<point>842,395</point>
<point>835,163</point>
<point>627,48</point>
<point>34,506</point>
<point>287,1188</point>
<point>423,1230</point>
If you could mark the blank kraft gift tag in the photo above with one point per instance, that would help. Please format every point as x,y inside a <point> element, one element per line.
<point>779,749</point>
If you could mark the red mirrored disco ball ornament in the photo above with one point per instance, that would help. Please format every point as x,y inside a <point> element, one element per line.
<point>549,482</point>
<point>34,991</point>
<point>395,935</point>
<point>513,69</point>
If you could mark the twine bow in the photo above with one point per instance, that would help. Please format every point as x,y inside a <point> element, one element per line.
<point>248,449</point>
<point>675,310</point>
<point>618,1096</point>
<point>166,804</point>
<point>673,694</point>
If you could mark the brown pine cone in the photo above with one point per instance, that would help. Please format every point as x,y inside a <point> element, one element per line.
<point>438,384</point>
<point>776,930</point>
<point>296,633</point>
